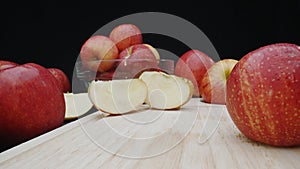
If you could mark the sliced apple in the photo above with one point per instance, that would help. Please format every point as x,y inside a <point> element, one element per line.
<point>76,105</point>
<point>118,96</point>
<point>166,91</point>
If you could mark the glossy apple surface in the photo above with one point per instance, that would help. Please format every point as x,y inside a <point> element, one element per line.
<point>96,51</point>
<point>263,95</point>
<point>135,59</point>
<point>31,103</point>
<point>61,78</point>
<point>192,65</point>
<point>7,64</point>
<point>125,35</point>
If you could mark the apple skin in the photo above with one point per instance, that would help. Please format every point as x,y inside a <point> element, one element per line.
<point>96,50</point>
<point>31,104</point>
<point>135,59</point>
<point>62,79</point>
<point>4,64</point>
<point>125,35</point>
<point>263,95</point>
<point>213,85</point>
<point>192,65</point>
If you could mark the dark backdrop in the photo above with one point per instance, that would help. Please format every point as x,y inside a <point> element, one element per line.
<point>51,33</point>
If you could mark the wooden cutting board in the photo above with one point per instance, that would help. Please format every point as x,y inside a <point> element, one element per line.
<point>199,135</point>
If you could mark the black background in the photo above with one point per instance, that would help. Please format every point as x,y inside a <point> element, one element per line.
<point>51,33</point>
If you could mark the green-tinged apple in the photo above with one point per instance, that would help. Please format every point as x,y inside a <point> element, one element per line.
<point>263,95</point>
<point>96,51</point>
<point>31,103</point>
<point>213,84</point>
<point>125,35</point>
<point>137,58</point>
<point>7,64</point>
<point>192,65</point>
<point>61,78</point>
<point>166,91</point>
<point>117,96</point>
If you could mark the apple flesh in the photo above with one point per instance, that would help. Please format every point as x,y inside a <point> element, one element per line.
<point>192,65</point>
<point>77,104</point>
<point>117,96</point>
<point>213,84</point>
<point>61,78</point>
<point>166,91</point>
<point>125,35</point>
<point>136,59</point>
<point>96,51</point>
<point>4,64</point>
<point>263,95</point>
<point>31,103</point>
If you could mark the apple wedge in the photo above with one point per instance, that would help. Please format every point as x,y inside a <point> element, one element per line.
<point>118,96</point>
<point>76,105</point>
<point>166,91</point>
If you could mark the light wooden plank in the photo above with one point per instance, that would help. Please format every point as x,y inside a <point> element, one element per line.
<point>199,135</point>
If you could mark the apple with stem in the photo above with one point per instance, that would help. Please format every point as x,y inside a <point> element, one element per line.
<point>263,95</point>
<point>97,52</point>
<point>125,35</point>
<point>192,65</point>
<point>61,78</point>
<point>213,84</point>
<point>31,104</point>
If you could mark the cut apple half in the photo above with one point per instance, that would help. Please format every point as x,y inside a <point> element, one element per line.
<point>166,91</point>
<point>118,96</point>
<point>76,105</point>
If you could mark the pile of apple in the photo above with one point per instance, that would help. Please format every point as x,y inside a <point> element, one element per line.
<point>32,101</point>
<point>261,90</point>
<point>120,55</point>
<point>128,73</point>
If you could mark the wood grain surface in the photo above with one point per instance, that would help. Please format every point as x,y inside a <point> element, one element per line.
<point>197,136</point>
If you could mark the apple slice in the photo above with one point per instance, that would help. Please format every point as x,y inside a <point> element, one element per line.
<point>166,91</point>
<point>118,96</point>
<point>76,105</point>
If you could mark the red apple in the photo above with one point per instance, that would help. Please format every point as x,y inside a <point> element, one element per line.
<point>62,79</point>
<point>213,84</point>
<point>263,95</point>
<point>125,35</point>
<point>135,59</point>
<point>4,64</point>
<point>96,51</point>
<point>31,103</point>
<point>192,65</point>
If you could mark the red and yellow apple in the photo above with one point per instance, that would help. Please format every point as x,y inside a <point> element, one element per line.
<point>61,78</point>
<point>135,59</point>
<point>263,95</point>
<point>125,35</point>
<point>96,50</point>
<point>192,65</point>
<point>31,103</point>
<point>213,84</point>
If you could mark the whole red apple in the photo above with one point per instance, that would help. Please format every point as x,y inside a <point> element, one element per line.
<point>192,65</point>
<point>135,59</point>
<point>96,51</point>
<point>31,103</point>
<point>213,84</point>
<point>7,64</point>
<point>125,35</point>
<point>62,79</point>
<point>263,95</point>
